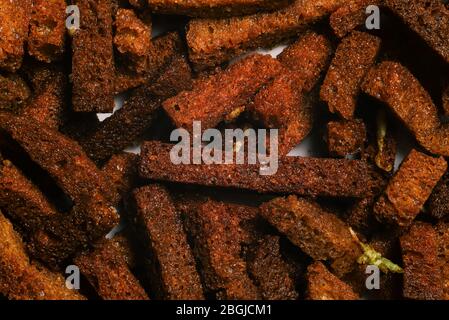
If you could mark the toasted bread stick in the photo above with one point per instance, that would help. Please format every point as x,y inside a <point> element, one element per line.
<point>410,188</point>
<point>14,22</point>
<point>93,58</point>
<point>317,232</point>
<point>323,285</point>
<point>213,41</point>
<point>345,137</point>
<point>14,93</point>
<point>354,57</point>
<point>214,8</point>
<point>303,176</point>
<point>22,280</point>
<point>216,229</point>
<point>107,270</point>
<point>215,97</point>
<point>429,19</point>
<point>46,40</point>
<point>272,273</point>
<point>173,266</point>
<point>422,268</point>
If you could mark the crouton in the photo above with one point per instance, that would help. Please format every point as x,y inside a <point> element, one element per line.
<point>323,285</point>
<point>422,272</point>
<point>173,266</point>
<point>22,280</point>
<point>354,57</point>
<point>302,176</point>
<point>443,237</point>
<point>317,232</point>
<point>218,236</point>
<point>132,39</point>
<point>93,58</point>
<point>14,92</point>
<point>445,98</point>
<point>22,200</point>
<point>350,16</point>
<point>217,96</point>
<point>46,40</point>
<point>429,19</point>
<point>438,203</point>
<point>410,188</point>
<point>48,102</point>
<point>346,137</point>
<point>137,114</point>
<point>14,22</point>
<point>107,271</point>
<point>215,8</point>
<point>213,41</point>
<point>271,272</point>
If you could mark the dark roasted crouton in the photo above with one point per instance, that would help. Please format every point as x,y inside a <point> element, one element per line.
<point>14,92</point>
<point>345,137</point>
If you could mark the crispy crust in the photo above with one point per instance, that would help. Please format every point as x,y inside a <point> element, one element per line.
<point>307,58</point>
<point>107,270</point>
<point>354,57</point>
<point>212,41</point>
<point>410,188</point>
<point>214,8</point>
<point>422,273</point>
<point>429,19</point>
<point>350,16</point>
<point>303,176</point>
<point>317,232</point>
<point>217,96</point>
<point>22,200</point>
<point>22,280</point>
<point>48,103</point>
<point>93,58</point>
<point>271,272</point>
<point>162,51</point>
<point>218,234</point>
<point>162,230</point>
<point>138,112</point>
<point>132,39</point>
<point>14,21</point>
<point>14,92</point>
<point>323,285</point>
<point>346,137</point>
<point>46,40</point>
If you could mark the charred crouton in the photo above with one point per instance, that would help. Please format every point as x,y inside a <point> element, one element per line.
<point>22,280</point>
<point>132,39</point>
<point>323,285</point>
<point>307,58</point>
<point>22,200</point>
<point>271,272</point>
<point>394,85</point>
<point>215,8</point>
<point>107,270</point>
<point>422,272</point>
<point>46,40</point>
<point>213,41</point>
<point>317,232</point>
<point>138,112</point>
<point>14,22</point>
<point>121,170</point>
<point>93,58</point>
<point>71,169</point>
<point>163,50</point>
<point>14,92</point>
<point>410,188</point>
<point>429,19</point>
<point>353,59</point>
<point>217,232</point>
<point>302,176</point>
<point>346,137</point>
<point>48,102</point>
<point>350,16</point>
<point>217,96</point>
<point>173,267</point>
